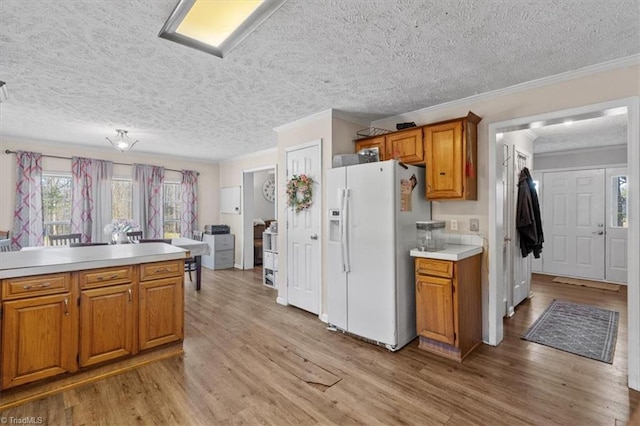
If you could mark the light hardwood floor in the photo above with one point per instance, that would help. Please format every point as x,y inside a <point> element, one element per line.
<point>251,361</point>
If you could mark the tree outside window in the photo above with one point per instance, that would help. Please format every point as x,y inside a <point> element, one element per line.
<point>56,204</point>
<point>172,209</point>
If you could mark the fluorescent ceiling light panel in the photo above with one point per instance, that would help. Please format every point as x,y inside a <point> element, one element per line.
<point>216,26</point>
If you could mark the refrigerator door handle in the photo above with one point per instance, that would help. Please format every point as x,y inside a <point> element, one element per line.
<point>345,239</point>
<point>342,234</point>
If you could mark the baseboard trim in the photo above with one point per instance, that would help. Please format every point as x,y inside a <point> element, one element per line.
<point>282,301</point>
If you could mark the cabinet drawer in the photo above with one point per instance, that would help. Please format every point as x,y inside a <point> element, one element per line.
<point>152,271</point>
<point>224,259</point>
<point>37,285</point>
<point>439,268</point>
<point>223,242</point>
<point>270,260</point>
<point>106,276</point>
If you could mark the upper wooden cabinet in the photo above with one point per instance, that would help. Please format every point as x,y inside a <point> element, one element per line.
<point>406,146</point>
<point>451,159</point>
<point>376,142</point>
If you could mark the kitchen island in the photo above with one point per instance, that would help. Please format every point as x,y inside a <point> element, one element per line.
<point>67,311</point>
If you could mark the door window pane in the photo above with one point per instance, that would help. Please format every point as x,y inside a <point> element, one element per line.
<point>619,218</point>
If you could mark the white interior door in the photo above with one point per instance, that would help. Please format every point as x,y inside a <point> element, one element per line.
<point>617,222</point>
<point>536,264</point>
<point>507,268</point>
<point>521,277</point>
<point>573,218</point>
<point>303,232</point>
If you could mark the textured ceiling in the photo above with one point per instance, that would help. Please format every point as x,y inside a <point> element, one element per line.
<point>76,70</point>
<point>591,133</point>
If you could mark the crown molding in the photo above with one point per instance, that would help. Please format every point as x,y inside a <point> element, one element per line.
<point>262,153</point>
<point>327,113</point>
<point>627,61</point>
<point>580,150</point>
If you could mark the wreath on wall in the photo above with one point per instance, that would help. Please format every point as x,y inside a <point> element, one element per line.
<point>300,192</point>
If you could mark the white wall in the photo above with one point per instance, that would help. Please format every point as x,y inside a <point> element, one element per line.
<point>262,208</point>
<point>604,156</point>
<point>208,182</point>
<point>231,175</point>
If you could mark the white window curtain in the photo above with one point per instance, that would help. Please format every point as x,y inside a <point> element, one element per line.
<point>28,222</point>
<point>148,200</point>
<point>91,200</point>
<point>189,195</point>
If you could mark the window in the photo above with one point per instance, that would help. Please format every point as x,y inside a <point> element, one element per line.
<point>122,199</point>
<point>619,214</point>
<point>172,209</point>
<point>56,204</point>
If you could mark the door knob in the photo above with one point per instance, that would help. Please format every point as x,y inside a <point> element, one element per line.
<point>598,232</point>
<point>314,237</point>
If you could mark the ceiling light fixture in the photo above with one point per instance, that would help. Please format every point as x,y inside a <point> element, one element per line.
<point>3,92</point>
<point>122,142</point>
<point>216,27</point>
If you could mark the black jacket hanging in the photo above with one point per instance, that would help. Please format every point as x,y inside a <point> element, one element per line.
<point>528,221</point>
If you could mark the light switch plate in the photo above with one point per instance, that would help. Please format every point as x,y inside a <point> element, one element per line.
<point>454,225</point>
<point>474,225</point>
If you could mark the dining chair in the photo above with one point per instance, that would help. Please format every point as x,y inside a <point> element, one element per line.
<point>4,235</point>
<point>64,239</point>
<point>87,244</point>
<point>134,236</point>
<point>5,245</point>
<point>190,262</point>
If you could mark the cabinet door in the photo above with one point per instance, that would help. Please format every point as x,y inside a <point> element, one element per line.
<point>434,308</point>
<point>161,312</point>
<point>444,160</point>
<point>406,146</point>
<point>39,339</point>
<point>378,142</point>
<point>106,323</point>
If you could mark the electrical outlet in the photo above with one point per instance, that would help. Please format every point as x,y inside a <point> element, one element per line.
<point>474,225</point>
<point>454,225</point>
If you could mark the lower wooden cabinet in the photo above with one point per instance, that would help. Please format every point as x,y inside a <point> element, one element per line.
<point>39,338</point>
<point>107,324</point>
<point>94,316</point>
<point>161,312</point>
<point>449,306</point>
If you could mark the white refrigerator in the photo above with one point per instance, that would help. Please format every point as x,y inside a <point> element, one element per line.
<point>372,213</point>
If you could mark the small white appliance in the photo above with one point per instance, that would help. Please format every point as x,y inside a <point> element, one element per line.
<point>372,213</point>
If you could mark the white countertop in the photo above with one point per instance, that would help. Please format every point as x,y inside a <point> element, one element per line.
<point>452,252</point>
<point>50,260</point>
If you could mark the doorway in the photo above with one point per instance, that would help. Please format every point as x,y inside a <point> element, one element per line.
<point>259,197</point>
<point>630,106</point>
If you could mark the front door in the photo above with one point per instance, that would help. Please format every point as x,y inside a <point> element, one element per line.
<point>573,218</point>
<point>303,232</point>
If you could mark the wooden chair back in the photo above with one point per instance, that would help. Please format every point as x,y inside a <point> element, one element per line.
<point>5,235</point>
<point>134,236</point>
<point>64,239</point>
<point>5,245</point>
